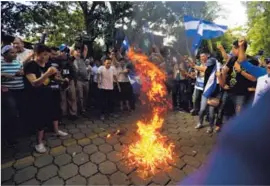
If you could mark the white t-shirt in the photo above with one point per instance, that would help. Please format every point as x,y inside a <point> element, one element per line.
<point>121,77</point>
<point>263,84</point>
<point>199,79</point>
<point>106,76</point>
<point>23,55</point>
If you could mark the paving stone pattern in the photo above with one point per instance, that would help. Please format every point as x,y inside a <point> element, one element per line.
<point>88,157</point>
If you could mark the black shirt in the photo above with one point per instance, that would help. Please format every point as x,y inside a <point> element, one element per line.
<point>39,92</point>
<point>238,83</point>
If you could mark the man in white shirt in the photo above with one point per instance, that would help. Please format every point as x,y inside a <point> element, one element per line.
<point>105,76</point>
<point>23,55</point>
<point>263,83</point>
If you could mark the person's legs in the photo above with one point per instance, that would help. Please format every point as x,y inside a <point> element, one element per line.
<point>175,91</point>
<point>183,95</point>
<point>64,102</point>
<point>86,93</point>
<point>110,101</point>
<point>103,101</point>
<point>190,91</point>
<point>197,100</point>
<point>42,117</point>
<point>239,103</point>
<point>221,109</point>
<point>80,95</point>
<point>211,119</point>
<point>18,96</point>
<point>56,115</point>
<point>40,147</point>
<point>129,95</point>
<point>132,97</point>
<point>202,112</point>
<point>72,100</point>
<point>9,116</point>
<point>95,94</point>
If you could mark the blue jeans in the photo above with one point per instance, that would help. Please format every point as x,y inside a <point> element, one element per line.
<point>237,101</point>
<point>230,104</point>
<point>197,94</point>
<point>203,112</point>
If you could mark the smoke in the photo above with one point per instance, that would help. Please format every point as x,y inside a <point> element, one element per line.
<point>165,20</point>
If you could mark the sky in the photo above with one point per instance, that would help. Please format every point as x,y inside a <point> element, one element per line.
<point>234,12</point>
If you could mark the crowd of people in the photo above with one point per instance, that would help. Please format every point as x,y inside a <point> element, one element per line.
<point>41,87</point>
<point>217,87</point>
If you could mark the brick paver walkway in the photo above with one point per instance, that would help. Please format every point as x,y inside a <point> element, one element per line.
<point>87,157</point>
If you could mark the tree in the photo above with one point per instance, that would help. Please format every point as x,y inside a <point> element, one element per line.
<point>167,18</point>
<point>258,22</point>
<point>202,10</point>
<point>18,18</point>
<point>64,20</point>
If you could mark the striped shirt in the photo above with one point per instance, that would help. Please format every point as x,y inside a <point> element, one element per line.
<point>15,83</point>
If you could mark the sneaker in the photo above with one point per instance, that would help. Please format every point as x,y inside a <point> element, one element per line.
<point>61,133</point>
<point>40,148</point>
<point>102,118</point>
<point>194,112</point>
<point>209,130</point>
<point>198,126</point>
<point>217,129</point>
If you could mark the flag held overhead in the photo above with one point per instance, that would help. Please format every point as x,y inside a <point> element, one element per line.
<point>200,29</point>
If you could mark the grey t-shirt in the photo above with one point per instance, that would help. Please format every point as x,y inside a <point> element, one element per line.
<point>81,70</point>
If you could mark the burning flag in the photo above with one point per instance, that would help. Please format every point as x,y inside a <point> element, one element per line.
<point>151,150</point>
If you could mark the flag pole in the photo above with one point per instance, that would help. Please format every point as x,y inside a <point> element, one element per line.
<point>210,45</point>
<point>187,47</point>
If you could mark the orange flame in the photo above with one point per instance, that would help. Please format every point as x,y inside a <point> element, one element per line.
<point>151,150</point>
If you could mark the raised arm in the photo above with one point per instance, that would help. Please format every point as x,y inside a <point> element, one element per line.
<point>223,53</point>
<point>252,69</point>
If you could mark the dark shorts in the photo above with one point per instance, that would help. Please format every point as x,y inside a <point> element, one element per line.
<point>44,110</point>
<point>126,91</point>
<point>55,111</point>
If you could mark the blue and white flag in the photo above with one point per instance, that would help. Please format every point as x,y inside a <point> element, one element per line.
<point>201,29</point>
<point>125,44</point>
<point>135,82</point>
<point>191,25</point>
<point>212,81</point>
